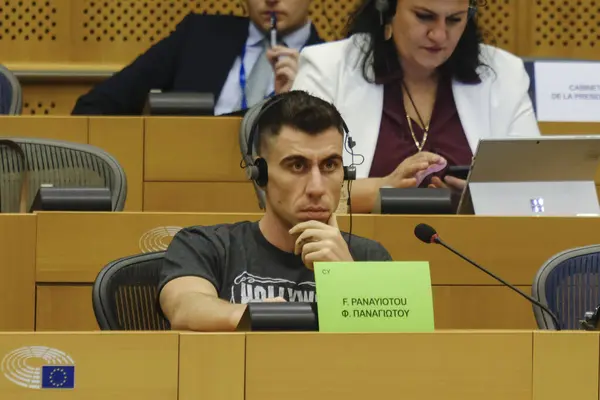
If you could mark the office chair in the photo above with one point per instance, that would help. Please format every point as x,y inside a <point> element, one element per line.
<point>11,93</point>
<point>569,285</point>
<point>61,164</point>
<point>124,295</point>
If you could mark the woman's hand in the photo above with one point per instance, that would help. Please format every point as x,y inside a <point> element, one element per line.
<point>414,169</point>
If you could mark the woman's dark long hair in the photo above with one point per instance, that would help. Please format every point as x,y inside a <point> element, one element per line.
<point>381,58</point>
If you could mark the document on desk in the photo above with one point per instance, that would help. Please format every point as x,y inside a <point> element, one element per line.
<point>374,296</point>
<point>567,91</point>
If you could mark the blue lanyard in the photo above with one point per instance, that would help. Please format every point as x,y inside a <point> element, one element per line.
<point>243,81</point>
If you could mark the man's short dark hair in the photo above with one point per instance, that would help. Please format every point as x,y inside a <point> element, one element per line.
<point>298,110</point>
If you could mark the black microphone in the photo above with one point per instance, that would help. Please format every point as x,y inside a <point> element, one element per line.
<point>427,234</point>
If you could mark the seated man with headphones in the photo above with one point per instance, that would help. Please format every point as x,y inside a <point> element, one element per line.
<point>210,272</point>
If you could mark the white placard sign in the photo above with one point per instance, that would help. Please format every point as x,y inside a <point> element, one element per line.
<point>567,91</point>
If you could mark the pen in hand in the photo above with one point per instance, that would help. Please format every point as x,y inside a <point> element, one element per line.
<point>273,30</point>
<point>283,59</point>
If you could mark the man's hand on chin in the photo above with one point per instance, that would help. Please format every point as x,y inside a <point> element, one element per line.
<point>318,241</point>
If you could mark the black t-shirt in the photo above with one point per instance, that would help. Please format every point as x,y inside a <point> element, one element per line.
<point>243,266</point>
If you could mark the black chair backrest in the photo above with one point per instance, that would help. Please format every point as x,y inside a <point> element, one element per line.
<point>61,164</point>
<point>569,285</point>
<point>124,295</point>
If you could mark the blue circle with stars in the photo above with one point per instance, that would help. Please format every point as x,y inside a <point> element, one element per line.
<point>58,381</point>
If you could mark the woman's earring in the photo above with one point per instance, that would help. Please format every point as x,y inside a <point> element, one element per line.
<point>387,32</point>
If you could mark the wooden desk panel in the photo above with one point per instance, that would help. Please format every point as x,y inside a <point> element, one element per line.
<point>192,149</point>
<point>64,307</point>
<point>441,365</point>
<point>123,138</point>
<point>569,128</point>
<point>212,366</point>
<point>52,97</point>
<point>71,129</point>
<point>513,247</point>
<point>481,307</point>
<point>74,247</point>
<point>68,307</point>
<point>565,365</point>
<point>108,365</point>
<point>17,272</point>
<point>230,197</point>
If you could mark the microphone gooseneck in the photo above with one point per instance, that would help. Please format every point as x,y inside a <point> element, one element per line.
<point>428,234</point>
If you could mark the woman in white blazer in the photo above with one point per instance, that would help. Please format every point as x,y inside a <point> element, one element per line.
<point>418,90</point>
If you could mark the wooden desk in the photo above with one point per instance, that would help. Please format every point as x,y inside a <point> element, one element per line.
<point>188,160</point>
<point>17,272</point>
<point>442,365</point>
<point>193,165</point>
<point>178,164</point>
<point>212,366</point>
<point>565,365</point>
<point>451,365</point>
<point>569,128</point>
<point>118,366</point>
<point>527,365</point>
<point>192,149</point>
<point>73,247</point>
<point>70,129</point>
<point>123,138</point>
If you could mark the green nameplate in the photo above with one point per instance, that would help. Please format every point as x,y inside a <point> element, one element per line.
<point>374,296</point>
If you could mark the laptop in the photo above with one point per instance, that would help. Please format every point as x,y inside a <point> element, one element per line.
<point>541,176</point>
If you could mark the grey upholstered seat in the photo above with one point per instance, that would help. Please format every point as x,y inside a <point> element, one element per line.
<point>125,294</point>
<point>62,164</point>
<point>569,285</point>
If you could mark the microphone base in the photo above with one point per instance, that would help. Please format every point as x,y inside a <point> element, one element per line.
<point>282,316</point>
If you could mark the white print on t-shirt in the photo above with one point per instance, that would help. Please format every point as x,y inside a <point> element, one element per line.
<point>247,287</point>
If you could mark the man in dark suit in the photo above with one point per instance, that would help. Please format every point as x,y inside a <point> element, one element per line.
<point>213,54</point>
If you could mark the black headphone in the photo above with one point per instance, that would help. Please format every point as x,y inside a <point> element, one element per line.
<point>383,6</point>
<point>258,171</point>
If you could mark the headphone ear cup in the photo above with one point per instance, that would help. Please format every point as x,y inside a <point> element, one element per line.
<point>260,172</point>
<point>350,173</point>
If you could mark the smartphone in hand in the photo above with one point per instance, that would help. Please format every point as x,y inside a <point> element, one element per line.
<point>458,171</point>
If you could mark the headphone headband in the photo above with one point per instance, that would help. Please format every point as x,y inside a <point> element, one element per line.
<point>257,169</point>
<point>271,102</point>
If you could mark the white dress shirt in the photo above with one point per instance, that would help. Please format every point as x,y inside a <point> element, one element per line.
<point>231,93</point>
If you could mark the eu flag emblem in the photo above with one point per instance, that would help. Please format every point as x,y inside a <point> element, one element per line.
<point>58,377</point>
